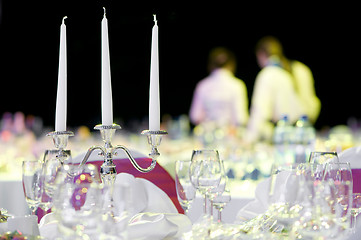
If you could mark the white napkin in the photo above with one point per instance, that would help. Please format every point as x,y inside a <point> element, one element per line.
<point>282,191</point>
<point>28,225</point>
<point>156,226</point>
<point>3,227</point>
<point>154,214</point>
<point>351,155</point>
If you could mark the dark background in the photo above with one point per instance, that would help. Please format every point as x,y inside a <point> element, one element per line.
<point>325,37</point>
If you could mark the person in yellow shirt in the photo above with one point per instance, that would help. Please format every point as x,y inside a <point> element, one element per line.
<point>282,87</point>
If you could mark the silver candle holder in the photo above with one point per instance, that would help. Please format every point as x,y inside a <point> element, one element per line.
<point>108,170</point>
<point>60,140</point>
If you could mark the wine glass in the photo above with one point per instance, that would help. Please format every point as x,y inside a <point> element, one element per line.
<point>285,193</point>
<point>355,210</point>
<point>218,190</point>
<point>323,157</point>
<point>31,178</point>
<point>340,175</point>
<point>317,218</point>
<point>205,174</point>
<point>220,201</point>
<point>185,190</point>
<point>51,166</point>
<point>318,161</point>
<point>78,205</point>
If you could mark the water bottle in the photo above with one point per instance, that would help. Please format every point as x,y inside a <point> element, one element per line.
<point>305,138</point>
<point>283,141</point>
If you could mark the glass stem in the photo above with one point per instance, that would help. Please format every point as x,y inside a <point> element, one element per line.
<point>219,215</point>
<point>353,223</point>
<point>205,204</point>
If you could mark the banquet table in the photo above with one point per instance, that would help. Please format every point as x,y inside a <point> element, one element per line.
<point>245,170</point>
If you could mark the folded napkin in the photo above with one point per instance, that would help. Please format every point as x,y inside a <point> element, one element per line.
<point>27,225</point>
<point>283,190</point>
<point>154,215</point>
<point>158,226</point>
<point>351,155</point>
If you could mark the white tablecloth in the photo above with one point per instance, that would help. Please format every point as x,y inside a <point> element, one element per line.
<point>12,197</point>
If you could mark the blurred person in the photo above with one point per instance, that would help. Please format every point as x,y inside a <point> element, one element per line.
<point>275,91</point>
<point>220,98</point>
<point>301,74</point>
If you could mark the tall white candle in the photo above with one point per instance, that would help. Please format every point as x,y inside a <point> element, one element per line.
<point>154,112</point>
<point>61,102</point>
<point>107,103</point>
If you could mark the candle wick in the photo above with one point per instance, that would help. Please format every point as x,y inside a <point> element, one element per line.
<point>104,11</point>
<point>155,18</point>
<point>65,17</point>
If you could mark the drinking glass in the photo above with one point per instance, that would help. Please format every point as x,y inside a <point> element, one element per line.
<point>220,201</point>
<point>205,174</point>
<point>78,205</point>
<point>318,161</point>
<point>317,218</point>
<point>185,190</point>
<point>218,190</point>
<point>51,166</point>
<point>31,178</point>
<point>285,193</point>
<point>340,175</point>
<point>355,210</point>
<point>323,157</point>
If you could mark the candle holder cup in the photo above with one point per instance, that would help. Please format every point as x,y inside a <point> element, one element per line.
<point>60,140</point>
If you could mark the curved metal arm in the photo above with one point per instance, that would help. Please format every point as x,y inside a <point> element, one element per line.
<point>134,163</point>
<point>89,152</point>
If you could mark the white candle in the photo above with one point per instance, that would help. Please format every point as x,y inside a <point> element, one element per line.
<point>154,112</point>
<point>60,113</point>
<point>107,103</point>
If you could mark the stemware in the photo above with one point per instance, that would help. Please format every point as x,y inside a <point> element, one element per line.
<point>340,175</point>
<point>185,190</point>
<point>51,166</point>
<point>31,179</point>
<point>355,210</point>
<point>318,161</point>
<point>205,174</point>
<point>285,193</point>
<point>323,157</point>
<point>317,218</point>
<point>220,201</point>
<point>78,205</point>
<point>219,189</point>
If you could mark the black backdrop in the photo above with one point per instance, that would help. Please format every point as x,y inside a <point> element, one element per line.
<point>323,36</point>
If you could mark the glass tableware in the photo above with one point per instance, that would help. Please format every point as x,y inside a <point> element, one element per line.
<point>340,175</point>
<point>185,190</point>
<point>51,166</point>
<point>31,179</point>
<point>205,174</point>
<point>218,190</point>
<point>284,190</point>
<point>78,205</point>
<point>220,201</point>
<point>318,161</point>
<point>355,210</point>
<point>323,157</point>
<point>317,218</point>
